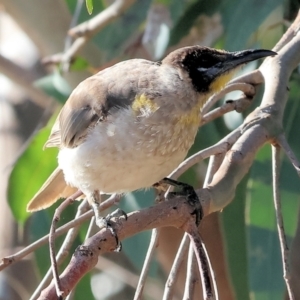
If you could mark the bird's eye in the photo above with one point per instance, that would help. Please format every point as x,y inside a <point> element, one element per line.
<point>201,69</point>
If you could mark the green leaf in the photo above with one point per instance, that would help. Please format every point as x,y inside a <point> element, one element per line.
<point>30,172</point>
<point>79,64</point>
<point>233,219</point>
<point>264,251</point>
<point>184,24</point>
<point>242,18</point>
<point>114,37</point>
<point>89,6</point>
<point>98,6</point>
<point>55,86</point>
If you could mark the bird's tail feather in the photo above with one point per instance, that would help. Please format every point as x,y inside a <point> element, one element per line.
<point>53,189</point>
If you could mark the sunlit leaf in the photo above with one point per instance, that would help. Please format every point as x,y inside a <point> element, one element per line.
<point>89,6</point>
<point>31,170</point>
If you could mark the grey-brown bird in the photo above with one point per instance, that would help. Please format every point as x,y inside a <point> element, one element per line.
<point>130,125</point>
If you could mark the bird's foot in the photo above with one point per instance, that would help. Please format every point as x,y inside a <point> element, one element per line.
<point>160,191</point>
<point>105,222</point>
<point>187,191</point>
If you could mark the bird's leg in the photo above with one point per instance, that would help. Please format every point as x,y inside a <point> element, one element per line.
<point>188,192</point>
<point>160,189</point>
<point>105,222</point>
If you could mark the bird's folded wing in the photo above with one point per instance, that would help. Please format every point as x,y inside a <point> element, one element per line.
<point>53,189</point>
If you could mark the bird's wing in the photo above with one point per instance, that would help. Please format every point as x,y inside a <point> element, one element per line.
<point>95,98</point>
<point>53,189</point>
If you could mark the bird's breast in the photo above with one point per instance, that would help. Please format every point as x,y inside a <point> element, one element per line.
<point>129,152</point>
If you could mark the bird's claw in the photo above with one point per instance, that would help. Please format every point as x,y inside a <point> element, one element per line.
<point>189,192</point>
<point>106,223</point>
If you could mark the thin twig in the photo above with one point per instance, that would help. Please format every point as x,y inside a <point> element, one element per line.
<point>86,30</point>
<point>70,53</point>
<point>280,226</point>
<point>65,62</point>
<point>221,147</point>
<point>213,165</point>
<point>191,275</point>
<point>85,257</point>
<point>8,260</point>
<point>94,25</point>
<point>88,234</point>
<point>146,265</point>
<point>56,218</point>
<point>63,251</point>
<point>281,140</point>
<point>247,88</point>
<point>238,105</point>
<point>176,267</point>
<point>74,21</point>
<point>202,260</point>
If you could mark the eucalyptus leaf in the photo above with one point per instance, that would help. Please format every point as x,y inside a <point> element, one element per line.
<point>89,6</point>
<point>55,86</point>
<point>29,173</point>
<point>233,219</point>
<point>242,18</point>
<point>263,249</point>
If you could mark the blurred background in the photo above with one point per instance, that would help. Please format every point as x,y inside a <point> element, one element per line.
<point>36,77</point>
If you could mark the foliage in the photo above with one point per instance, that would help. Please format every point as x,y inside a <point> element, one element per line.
<point>249,222</point>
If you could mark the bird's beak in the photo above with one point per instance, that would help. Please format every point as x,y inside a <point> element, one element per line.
<point>232,60</point>
<point>242,57</point>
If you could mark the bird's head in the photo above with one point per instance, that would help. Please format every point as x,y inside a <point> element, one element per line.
<point>210,69</point>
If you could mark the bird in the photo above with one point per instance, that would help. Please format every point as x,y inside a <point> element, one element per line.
<point>130,125</point>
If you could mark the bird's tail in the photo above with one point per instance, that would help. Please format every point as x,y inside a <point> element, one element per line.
<point>53,189</point>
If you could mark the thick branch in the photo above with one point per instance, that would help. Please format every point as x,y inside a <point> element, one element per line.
<point>86,256</point>
<point>235,166</point>
<point>261,126</point>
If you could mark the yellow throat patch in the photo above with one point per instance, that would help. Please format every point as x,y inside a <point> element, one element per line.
<point>194,116</point>
<point>219,83</point>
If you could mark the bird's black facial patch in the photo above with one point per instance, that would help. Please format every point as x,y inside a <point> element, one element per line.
<point>202,65</point>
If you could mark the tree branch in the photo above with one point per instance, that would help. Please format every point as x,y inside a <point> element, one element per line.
<point>176,267</point>
<point>142,280</point>
<point>86,30</point>
<point>279,220</point>
<point>23,78</point>
<point>86,256</point>
<point>263,125</point>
